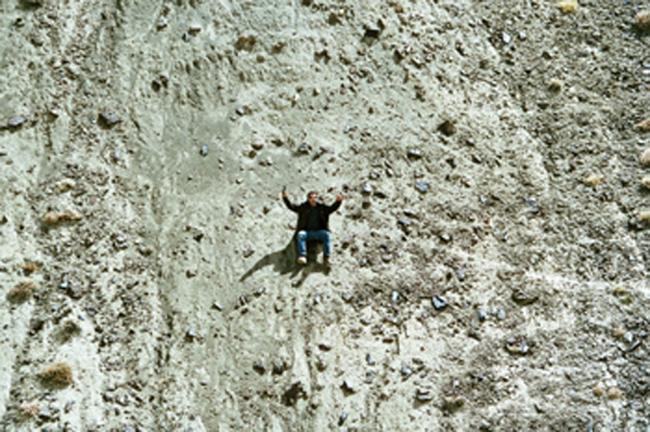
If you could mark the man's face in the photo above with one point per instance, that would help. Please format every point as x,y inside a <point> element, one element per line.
<point>311,199</point>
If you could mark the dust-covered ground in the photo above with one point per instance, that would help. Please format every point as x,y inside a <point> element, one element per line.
<point>491,257</point>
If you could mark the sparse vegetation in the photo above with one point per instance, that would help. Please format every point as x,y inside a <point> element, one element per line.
<point>21,292</point>
<point>57,375</point>
<point>568,6</point>
<point>645,182</point>
<point>53,218</point>
<point>69,330</point>
<point>594,180</point>
<point>29,267</point>
<point>644,126</point>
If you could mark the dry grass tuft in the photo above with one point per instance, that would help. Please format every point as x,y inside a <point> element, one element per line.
<point>644,216</point>
<point>644,126</point>
<point>594,180</point>
<point>29,410</point>
<point>645,182</point>
<point>54,218</point>
<point>57,375</point>
<point>29,267</point>
<point>21,292</point>
<point>568,6</point>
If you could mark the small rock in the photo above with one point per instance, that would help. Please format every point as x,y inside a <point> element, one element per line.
<point>108,119</point>
<point>438,303</point>
<point>614,393</point>
<point>422,186</point>
<point>16,121</point>
<point>204,150</point>
<point>406,371</point>
<point>506,38</point>
<point>217,306</point>
<point>394,297</point>
<point>194,29</point>
<point>191,333</point>
<point>366,188</point>
<point>524,296</point>
<point>599,390</point>
<point>481,314</point>
<point>342,418</point>
<point>348,386</point>
<point>645,157</point>
<point>555,85</point>
<point>501,314</point>
<point>369,360</point>
<point>259,367</point>
<point>452,403</point>
<point>414,154</point>
<point>423,395</point>
<point>517,345</point>
<point>644,126</point>
<point>645,182</point>
<point>642,20</point>
<point>447,128</point>
<point>258,144</point>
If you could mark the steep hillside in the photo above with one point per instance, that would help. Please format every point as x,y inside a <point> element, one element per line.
<point>491,257</point>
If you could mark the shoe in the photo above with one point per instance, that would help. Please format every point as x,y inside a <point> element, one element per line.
<point>302,260</point>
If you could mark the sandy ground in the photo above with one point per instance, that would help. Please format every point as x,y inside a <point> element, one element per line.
<point>491,259</point>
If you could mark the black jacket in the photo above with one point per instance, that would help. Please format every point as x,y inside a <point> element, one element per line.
<point>303,210</point>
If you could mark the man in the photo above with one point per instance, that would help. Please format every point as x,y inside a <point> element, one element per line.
<point>313,224</point>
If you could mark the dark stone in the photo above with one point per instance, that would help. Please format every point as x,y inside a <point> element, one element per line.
<point>438,303</point>
<point>259,367</point>
<point>342,418</point>
<point>108,119</point>
<point>293,393</point>
<point>204,150</point>
<point>447,128</point>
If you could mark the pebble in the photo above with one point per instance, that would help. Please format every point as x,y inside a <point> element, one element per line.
<point>645,182</point>
<point>369,360</point>
<point>517,345</point>
<point>481,314</point>
<point>447,128</point>
<point>422,186</point>
<point>348,386</point>
<point>394,297</point>
<point>524,297</point>
<point>406,371</point>
<point>304,148</point>
<point>15,122</point>
<point>644,126</point>
<point>366,188</point>
<point>438,303</point>
<point>414,154</point>
<point>645,157</point>
<point>204,150</point>
<point>642,20</point>
<point>191,333</point>
<point>342,418</point>
<point>217,306</point>
<point>501,314</point>
<point>506,38</point>
<point>423,395</point>
<point>109,118</point>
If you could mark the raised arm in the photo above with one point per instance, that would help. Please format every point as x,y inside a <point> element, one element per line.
<point>289,204</point>
<point>334,207</point>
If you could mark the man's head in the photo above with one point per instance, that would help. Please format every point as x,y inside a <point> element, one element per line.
<point>312,196</point>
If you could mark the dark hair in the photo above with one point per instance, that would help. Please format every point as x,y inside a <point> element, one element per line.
<point>310,193</point>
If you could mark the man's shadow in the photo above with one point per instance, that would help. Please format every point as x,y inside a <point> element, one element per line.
<point>284,261</point>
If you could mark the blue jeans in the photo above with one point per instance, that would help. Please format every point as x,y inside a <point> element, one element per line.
<point>322,236</point>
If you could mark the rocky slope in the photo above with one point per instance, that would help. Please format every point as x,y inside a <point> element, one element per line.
<point>491,257</point>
